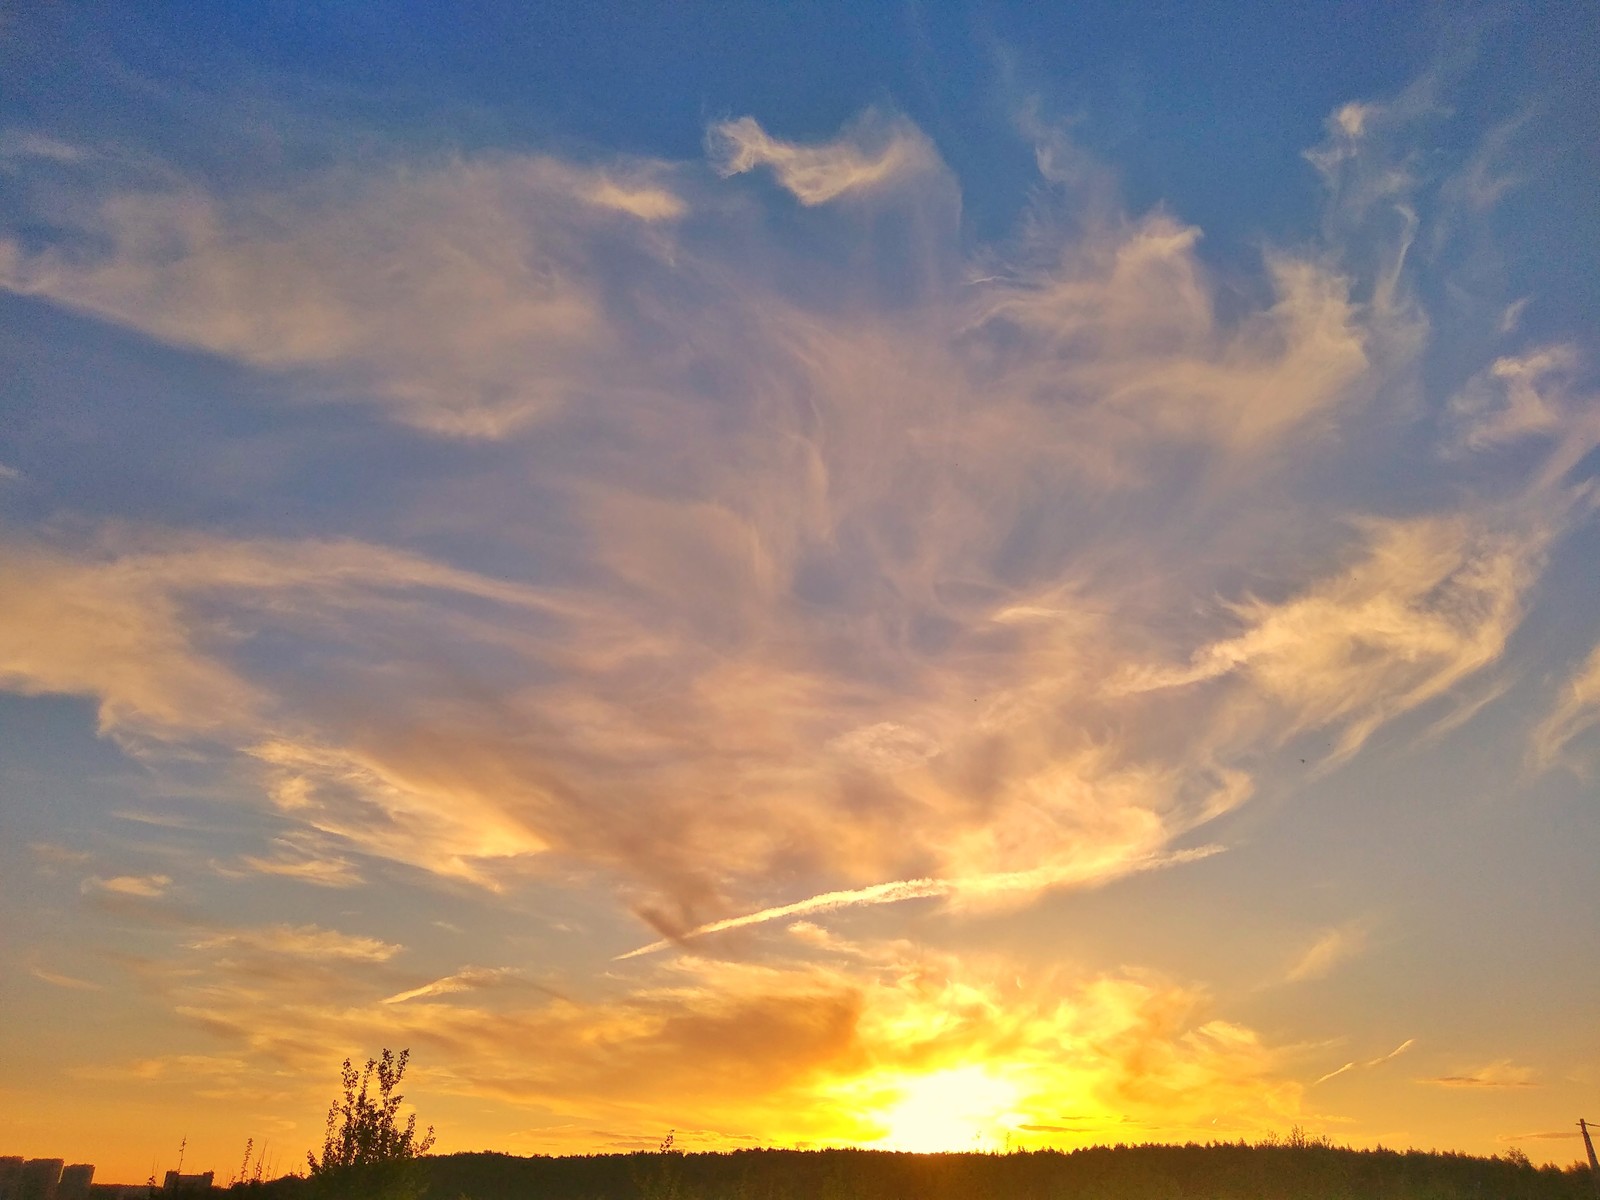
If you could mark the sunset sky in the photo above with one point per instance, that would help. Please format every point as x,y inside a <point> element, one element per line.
<point>927,576</point>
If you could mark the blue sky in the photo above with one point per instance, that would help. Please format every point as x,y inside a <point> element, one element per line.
<point>915,576</point>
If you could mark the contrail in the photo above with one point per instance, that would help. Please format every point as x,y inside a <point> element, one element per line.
<point>1349,1066</point>
<point>919,889</point>
<point>1375,1062</point>
<point>1395,1053</point>
<point>462,981</point>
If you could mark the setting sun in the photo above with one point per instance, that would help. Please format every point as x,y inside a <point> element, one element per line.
<point>963,1108</point>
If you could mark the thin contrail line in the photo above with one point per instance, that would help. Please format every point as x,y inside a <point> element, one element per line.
<point>1349,1066</point>
<point>920,889</point>
<point>1375,1062</point>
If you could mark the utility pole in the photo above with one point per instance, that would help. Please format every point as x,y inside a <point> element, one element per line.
<point>1594,1164</point>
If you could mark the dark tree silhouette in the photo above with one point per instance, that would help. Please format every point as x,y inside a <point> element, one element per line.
<point>365,1148</point>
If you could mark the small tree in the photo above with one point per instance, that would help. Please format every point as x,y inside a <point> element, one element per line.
<point>364,1137</point>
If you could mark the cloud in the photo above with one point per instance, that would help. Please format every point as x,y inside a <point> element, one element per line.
<point>1575,712</point>
<point>126,627</point>
<point>1368,160</point>
<point>56,979</point>
<point>874,153</point>
<point>55,854</point>
<point>299,941</point>
<point>177,1066</point>
<point>1429,603</point>
<point>1393,1054</point>
<point>779,1054</point>
<point>642,201</point>
<point>1332,947</point>
<point>466,298</point>
<point>141,886</point>
<point>898,569</point>
<point>886,746</point>
<point>399,805</point>
<point>1123,337</point>
<point>1532,395</point>
<point>1497,1075</point>
<point>19,144</point>
<point>301,856</point>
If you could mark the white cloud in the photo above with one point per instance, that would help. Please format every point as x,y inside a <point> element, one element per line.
<point>876,152</point>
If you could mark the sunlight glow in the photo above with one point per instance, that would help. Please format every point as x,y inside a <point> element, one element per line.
<point>963,1108</point>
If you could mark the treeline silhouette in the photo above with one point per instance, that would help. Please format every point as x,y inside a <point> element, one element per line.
<point>1296,1170</point>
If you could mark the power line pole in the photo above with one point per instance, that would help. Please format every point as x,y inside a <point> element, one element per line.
<point>1594,1164</point>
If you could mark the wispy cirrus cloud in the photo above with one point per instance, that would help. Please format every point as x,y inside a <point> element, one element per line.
<point>140,886</point>
<point>54,854</point>
<point>1430,603</point>
<point>876,151</point>
<point>879,579</point>
<point>1331,948</point>
<point>299,941</point>
<point>465,297</point>
<point>302,856</point>
<point>1575,712</point>
<point>1495,1076</point>
<point>71,982</point>
<point>1536,396</point>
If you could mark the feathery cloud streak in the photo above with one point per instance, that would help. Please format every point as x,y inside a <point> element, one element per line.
<point>850,569</point>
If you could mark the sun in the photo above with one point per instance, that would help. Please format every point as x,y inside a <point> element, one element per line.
<point>962,1108</point>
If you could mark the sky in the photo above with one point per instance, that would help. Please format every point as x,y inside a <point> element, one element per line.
<point>929,576</point>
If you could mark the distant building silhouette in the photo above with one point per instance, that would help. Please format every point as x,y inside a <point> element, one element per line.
<point>38,1179</point>
<point>75,1181</point>
<point>10,1168</point>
